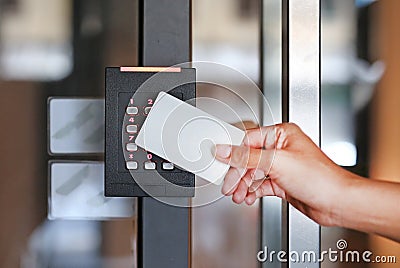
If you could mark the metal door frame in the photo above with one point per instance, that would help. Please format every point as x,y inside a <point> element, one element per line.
<point>164,234</point>
<point>284,227</point>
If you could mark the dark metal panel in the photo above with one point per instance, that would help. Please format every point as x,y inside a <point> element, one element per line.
<point>120,88</point>
<point>165,32</point>
<point>164,238</point>
<point>165,40</point>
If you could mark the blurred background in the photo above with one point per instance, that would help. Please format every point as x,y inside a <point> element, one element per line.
<point>60,48</point>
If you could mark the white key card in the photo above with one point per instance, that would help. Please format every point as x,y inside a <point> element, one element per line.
<point>186,136</point>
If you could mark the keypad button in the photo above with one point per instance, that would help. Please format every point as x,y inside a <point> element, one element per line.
<point>132,110</point>
<point>167,166</point>
<point>149,165</point>
<point>131,165</point>
<point>147,110</point>
<point>131,129</point>
<point>131,147</point>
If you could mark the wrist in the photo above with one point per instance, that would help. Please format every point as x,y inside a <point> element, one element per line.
<point>347,211</point>
<point>343,194</point>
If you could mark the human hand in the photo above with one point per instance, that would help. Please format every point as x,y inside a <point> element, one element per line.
<point>298,171</point>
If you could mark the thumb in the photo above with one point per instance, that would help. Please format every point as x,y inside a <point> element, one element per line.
<point>245,157</point>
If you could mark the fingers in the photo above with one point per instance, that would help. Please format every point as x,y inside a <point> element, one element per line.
<point>263,137</point>
<point>241,192</point>
<point>250,199</point>
<point>234,175</point>
<point>255,185</point>
<point>240,189</point>
<point>247,165</point>
<point>232,179</point>
<point>265,189</point>
<point>271,137</point>
<point>260,148</point>
<point>245,157</point>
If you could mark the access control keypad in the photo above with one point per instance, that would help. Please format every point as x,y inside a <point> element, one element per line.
<point>137,159</point>
<point>129,97</point>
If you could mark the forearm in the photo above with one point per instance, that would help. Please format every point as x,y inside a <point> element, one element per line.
<point>371,206</point>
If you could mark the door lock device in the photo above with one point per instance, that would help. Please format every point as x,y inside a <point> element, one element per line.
<point>129,96</point>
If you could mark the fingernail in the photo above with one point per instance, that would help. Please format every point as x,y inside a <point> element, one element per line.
<point>247,200</point>
<point>223,151</point>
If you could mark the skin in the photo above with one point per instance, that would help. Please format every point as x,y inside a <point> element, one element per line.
<point>302,174</point>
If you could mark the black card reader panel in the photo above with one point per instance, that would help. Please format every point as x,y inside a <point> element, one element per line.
<point>129,96</point>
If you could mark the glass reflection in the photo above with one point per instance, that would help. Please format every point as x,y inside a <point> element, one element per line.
<point>226,32</point>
